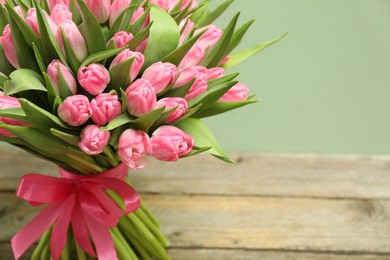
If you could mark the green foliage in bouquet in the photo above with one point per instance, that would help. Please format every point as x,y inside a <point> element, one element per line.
<point>80,79</point>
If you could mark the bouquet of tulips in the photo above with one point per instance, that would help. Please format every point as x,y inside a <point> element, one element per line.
<point>97,86</point>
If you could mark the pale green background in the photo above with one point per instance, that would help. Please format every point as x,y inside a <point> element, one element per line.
<point>326,86</point>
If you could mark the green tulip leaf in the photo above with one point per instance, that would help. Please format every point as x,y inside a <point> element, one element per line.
<point>101,56</point>
<point>211,96</point>
<point>5,67</point>
<point>203,137</point>
<point>3,18</point>
<point>120,120</point>
<point>92,31</point>
<point>243,55</point>
<point>146,121</point>
<point>238,35</point>
<point>196,151</point>
<point>140,37</point>
<point>180,91</point>
<point>210,17</point>
<point>222,107</point>
<point>120,74</point>
<point>218,81</point>
<point>177,55</point>
<point>66,137</point>
<point>163,37</point>
<point>220,49</point>
<point>15,113</point>
<point>41,118</point>
<point>23,80</point>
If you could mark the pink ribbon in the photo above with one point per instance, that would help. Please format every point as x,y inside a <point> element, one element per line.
<point>77,200</point>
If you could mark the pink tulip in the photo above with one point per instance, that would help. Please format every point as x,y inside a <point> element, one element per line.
<point>132,148</point>
<point>237,93</point>
<point>19,11</point>
<point>215,73</point>
<point>122,38</point>
<point>141,97</point>
<point>105,107</point>
<point>100,8</point>
<point>173,102</point>
<point>52,71</point>
<point>75,110</point>
<point>9,47</point>
<point>186,26</point>
<point>194,57</point>
<point>94,78</point>
<point>137,14</point>
<point>9,102</point>
<point>210,37</point>
<point>53,3</point>
<point>32,21</point>
<point>60,13</point>
<point>136,66</point>
<point>116,8</point>
<point>169,143</point>
<point>192,4</point>
<point>160,75</point>
<point>75,39</point>
<point>93,140</point>
<point>200,84</point>
<point>164,4</point>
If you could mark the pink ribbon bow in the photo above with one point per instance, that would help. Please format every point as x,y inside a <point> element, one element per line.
<point>79,200</point>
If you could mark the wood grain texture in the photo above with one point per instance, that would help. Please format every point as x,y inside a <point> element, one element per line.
<point>323,176</point>
<point>267,206</point>
<point>253,222</point>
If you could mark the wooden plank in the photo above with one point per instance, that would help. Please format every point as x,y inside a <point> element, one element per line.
<point>286,175</point>
<point>229,254</point>
<point>357,226</point>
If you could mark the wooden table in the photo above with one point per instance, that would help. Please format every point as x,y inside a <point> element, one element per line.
<point>267,206</point>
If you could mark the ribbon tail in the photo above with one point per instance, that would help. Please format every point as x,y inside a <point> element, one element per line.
<point>60,231</point>
<point>34,229</point>
<point>102,239</point>
<point>80,231</point>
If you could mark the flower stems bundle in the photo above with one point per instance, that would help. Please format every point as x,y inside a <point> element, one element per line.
<point>96,87</point>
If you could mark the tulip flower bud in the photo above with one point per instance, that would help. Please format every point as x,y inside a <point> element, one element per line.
<point>200,84</point>
<point>169,143</point>
<point>186,26</point>
<point>121,38</point>
<point>160,75</point>
<point>100,8</point>
<point>75,39</point>
<point>136,66</point>
<point>237,93</point>
<point>94,78</point>
<point>164,4</point>
<point>52,71</point>
<point>170,103</point>
<point>192,4</point>
<point>9,47</point>
<point>19,11</point>
<point>194,57</point>
<point>132,148</point>
<point>210,37</point>
<point>141,97</point>
<point>9,102</point>
<point>60,13</point>
<point>105,107</point>
<point>137,14</point>
<point>75,110</point>
<point>215,73</point>
<point>93,140</point>
<point>53,3</point>
<point>116,8</point>
<point>32,21</point>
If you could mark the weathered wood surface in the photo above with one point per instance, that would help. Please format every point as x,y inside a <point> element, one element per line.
<point>265,207</point>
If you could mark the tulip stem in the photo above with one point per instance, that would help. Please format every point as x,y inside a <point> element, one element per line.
<point>110,156</point>
<point>91,166</point>
<point>81,255</point>
<point>147,211</point>
<point>154,229</point>
<point>123,248</point>
<point>43,242</point>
